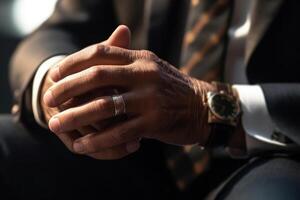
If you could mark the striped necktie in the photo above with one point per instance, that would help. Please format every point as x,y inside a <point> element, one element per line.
<point>202,57</point>
<point>204,41</point>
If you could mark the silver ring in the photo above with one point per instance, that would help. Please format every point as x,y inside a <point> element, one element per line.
<point>119,104</point>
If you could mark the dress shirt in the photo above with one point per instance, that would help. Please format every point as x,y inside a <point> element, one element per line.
<point>36,87</point>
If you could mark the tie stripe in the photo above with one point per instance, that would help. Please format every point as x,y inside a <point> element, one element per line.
<point>203,20</point>
<point>200,54</point>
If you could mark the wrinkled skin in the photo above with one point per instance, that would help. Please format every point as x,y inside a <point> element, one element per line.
<point>161,102</point>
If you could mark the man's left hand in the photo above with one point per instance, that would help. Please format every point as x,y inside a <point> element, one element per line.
<point>161,102</point>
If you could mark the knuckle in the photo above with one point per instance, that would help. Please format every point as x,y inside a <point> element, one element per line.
<point>147,70</point>
<point>69,61</point>
<point>93,73</point>
<point>97,73</point>
<point>152,65</point>
<point>148,54</point>
<point>98,49</point>
<point>95,50</point>
<point>154,70</point>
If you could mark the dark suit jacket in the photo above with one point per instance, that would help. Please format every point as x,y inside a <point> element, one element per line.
<point>273,48</point>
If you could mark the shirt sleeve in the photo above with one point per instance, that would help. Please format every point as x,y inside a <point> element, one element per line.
<point>256,119</point>
<point>36,87</point>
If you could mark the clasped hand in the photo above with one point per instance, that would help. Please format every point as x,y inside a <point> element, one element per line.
<point>161,102</point>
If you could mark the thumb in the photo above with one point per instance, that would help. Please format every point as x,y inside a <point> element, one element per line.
<point>121,37</point>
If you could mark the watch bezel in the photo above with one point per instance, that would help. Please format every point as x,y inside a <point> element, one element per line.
<point>235,112</point>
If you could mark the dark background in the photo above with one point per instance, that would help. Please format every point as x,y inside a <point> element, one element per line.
<point>17,19</point>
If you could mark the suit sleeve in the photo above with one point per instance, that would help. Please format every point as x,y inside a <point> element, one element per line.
<point>283,102</point>
<point>73,25</point>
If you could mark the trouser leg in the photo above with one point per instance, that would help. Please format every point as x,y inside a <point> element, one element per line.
<point>276,178</point>
<point>36,165</point>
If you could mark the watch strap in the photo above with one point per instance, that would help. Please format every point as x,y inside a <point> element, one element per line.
<point>220,135</point>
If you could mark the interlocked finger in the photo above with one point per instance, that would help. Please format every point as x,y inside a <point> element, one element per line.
<point>89,80</point>
<point>95,111</point>
<point>115,136</point>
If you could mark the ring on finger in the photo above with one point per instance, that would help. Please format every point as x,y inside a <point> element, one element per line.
<point>119,105</point>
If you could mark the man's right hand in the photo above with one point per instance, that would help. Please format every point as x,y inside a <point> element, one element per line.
<point>120,38</point>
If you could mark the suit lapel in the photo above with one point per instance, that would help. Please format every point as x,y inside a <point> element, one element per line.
<point>264,13</point>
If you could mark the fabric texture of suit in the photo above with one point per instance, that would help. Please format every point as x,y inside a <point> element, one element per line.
<point>272,48</point>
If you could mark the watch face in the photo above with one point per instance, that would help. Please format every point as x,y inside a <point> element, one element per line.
<point>223,106</point>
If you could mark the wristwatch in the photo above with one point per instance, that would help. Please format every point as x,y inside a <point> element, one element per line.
<point>223,113</point>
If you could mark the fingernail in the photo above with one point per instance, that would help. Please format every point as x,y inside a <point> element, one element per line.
<point>54,74</point>
<point>54,125</point>
<point>78,147</point>
<point>132,147</point>
<point>48,99</point>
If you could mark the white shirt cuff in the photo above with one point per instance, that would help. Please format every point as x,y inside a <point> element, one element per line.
<point>36,87</point>
<point>256,119</point>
